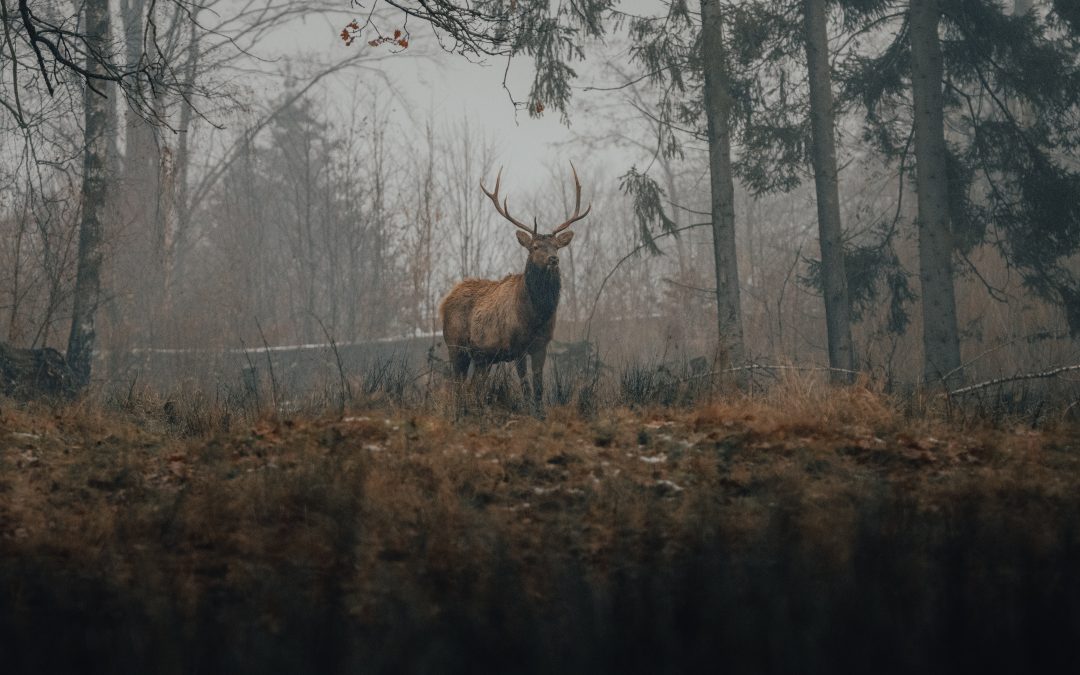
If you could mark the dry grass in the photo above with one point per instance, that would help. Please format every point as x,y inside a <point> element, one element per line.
<point>765,532</point>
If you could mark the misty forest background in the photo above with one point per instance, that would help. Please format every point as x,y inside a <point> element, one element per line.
<point>871,186</point>
<point>232,256</point>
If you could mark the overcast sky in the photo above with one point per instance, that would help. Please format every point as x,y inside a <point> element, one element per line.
<point>451,87</point>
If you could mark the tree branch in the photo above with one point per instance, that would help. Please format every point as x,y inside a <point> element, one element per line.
<point>1053,372</point>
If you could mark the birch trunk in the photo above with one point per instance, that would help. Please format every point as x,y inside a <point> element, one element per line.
<point>95,192</point>
<point>183,212</point>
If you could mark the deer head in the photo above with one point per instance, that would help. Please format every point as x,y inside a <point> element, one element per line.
<point>543,248</point>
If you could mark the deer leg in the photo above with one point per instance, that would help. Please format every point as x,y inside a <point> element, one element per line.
<point>459,362</point>
<point>537,358</point>
<point>522,371</point>
<point>459,369</point>
<point>480,381</point>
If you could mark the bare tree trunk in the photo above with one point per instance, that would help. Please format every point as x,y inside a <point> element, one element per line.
<point>95,192</point>
<point>166,229</point>
<point>420,261</point>
<point>140,187</point>
<point>311,273</point>
<point>941,341</point>
<point>830,228</point>
<point>14,334</point>
<point>718,112</point>
<point>140,146</point>
<point>183,212</point>
<point>376,313</point>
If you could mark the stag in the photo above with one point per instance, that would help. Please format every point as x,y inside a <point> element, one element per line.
<point>487,321</point>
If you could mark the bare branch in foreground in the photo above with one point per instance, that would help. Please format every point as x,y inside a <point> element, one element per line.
<point>1053,372</point>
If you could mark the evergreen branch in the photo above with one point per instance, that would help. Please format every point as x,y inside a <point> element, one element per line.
<point>868,28</point>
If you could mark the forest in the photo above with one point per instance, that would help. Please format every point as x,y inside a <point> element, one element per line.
<point>796,376</point>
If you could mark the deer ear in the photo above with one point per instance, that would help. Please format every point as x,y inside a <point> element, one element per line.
<point>524,239</point>
<point>564,238</point>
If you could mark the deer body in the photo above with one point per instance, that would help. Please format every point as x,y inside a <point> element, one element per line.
<point>499,320</point>
<point>487,321</point>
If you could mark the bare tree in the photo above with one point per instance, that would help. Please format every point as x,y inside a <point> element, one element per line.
<point>95,198</point>
<point>470,153</point>
<point>426,215</point>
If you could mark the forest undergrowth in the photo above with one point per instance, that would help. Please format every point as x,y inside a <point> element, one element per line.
<point>801,529</point>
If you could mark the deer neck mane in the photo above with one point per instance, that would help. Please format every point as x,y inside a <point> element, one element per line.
<point>542,288</point>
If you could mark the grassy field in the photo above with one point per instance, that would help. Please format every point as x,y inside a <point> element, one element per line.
<point>827,531</point>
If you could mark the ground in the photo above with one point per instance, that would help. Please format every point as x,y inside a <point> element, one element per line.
<point>829,533</point>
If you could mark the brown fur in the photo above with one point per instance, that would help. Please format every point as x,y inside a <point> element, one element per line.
<point>486,321</point>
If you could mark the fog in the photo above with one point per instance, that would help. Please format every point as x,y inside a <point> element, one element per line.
<point>539,336</point>
<point>305,191</point>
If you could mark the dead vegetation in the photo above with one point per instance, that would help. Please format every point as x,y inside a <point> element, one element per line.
<point>802,527</point>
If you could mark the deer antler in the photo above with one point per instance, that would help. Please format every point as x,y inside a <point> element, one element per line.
<point>503,211</point>
<point>577,204</point>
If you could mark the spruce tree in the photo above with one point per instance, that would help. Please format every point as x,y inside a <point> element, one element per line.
<point>787,128</point>
<point>826,183</point>
<point>941,335</point>
<point>715,74</point>
<point>999,178</point>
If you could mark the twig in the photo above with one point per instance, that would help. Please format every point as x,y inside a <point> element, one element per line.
<point>270,364</point>
<point>254,376</point>
<point>637,249</point>
<point>131,389</point>
<point>1030,337</point>
<point>346,389</point>
<point>710,291</point>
